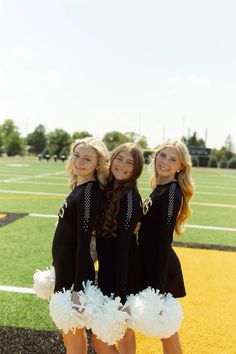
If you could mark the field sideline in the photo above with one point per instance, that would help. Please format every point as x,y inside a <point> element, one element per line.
<point>37,189</point>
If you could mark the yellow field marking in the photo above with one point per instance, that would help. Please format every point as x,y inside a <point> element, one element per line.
<point>209,307</point>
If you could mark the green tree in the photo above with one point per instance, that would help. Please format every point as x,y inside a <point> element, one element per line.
<point>114,138</point>
<point>58,140</point>
<point>194,141</point>
<point>212,162</point>
<point>37,140</point>
<point>1,141</point>
<point>80,135</point>
<point>218,153</point>
<point>232,162</point>
<point>227,150</point>
<point>8,127</point>
<point>15,145</point>
<point>11,139</point>
<point>142,142</point>
<point>228,147</point>
<point>138,139</point>
<point>223,162</point>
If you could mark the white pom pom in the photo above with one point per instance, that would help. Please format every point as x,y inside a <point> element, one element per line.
<point>44,283</point>
<point>62,312</point>
<point>110,322</point>
<point>154,314</point>
<point>91,298</point>
<point>145,309</point>
<point>172,316</point>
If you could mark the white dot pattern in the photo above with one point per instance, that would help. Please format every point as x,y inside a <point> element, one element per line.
<point>129,209</point>
<point>171,203</point>
<point>87,197</point>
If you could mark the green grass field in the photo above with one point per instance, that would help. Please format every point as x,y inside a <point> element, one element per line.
<point>38,188</point>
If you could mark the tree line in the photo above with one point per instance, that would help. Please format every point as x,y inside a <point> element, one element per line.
<point>57,143</point>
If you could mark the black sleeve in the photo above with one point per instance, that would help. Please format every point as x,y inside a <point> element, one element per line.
<point>129,215</point>
<point>170,206</point>
<point>87,208</point>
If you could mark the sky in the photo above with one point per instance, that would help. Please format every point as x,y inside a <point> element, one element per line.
<point>160,68</point>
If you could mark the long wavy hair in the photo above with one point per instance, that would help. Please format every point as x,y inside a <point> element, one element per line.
<point>102,169</point>
<point>183,177</point>
<point>115,190</point>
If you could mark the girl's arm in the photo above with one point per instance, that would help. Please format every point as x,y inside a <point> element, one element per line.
<point>170,206</point>
<point>87,208</point>
<point>129,215</point>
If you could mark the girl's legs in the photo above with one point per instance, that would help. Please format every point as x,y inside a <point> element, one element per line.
<point>75,342</point>
<point>101,347</point>
<point>127,345</point>
<point>171,345</point>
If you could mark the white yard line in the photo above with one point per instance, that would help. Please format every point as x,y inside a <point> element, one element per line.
<point>188,225</point>
<point>23,178</point>
<point>199,186</point>
<point>228,175</point>
<point>40,183</point>
<point>43,215</point>
<point>60,194</point>
<point>214,205</point>
<point>211,227</point>
<point>213,193</point>
<point>204,193</point>
<point>32,193</point>
<point>16,289</point>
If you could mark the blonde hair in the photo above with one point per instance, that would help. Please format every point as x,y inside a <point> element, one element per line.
<point>183,177</point>
<point>102,169</point>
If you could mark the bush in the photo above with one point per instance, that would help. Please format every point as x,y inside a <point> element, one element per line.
<point>213,162</point>
<point>223,162</point>
<point>232,162</point>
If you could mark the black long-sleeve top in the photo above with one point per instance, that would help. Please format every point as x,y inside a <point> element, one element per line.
<point>161,266</point>
<point>71,243</point>
<point>117,256</point>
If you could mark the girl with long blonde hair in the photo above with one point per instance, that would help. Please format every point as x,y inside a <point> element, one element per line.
<point>88,169</point>
<point>164,213</point>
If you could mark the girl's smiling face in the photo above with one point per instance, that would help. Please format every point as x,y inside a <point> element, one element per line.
<point>122,166</point>
<point>84,161</point>
<point>167,163</point>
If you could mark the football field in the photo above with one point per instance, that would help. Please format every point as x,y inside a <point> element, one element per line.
<point>30,195</point>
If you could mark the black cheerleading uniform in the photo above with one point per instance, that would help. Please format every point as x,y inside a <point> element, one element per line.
<point>161,266</point>
<point>71,244</point>
<point>118,255</point>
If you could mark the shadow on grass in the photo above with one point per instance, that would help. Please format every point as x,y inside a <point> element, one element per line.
<point>15,340</point>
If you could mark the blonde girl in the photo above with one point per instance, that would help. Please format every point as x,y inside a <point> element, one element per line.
<point>88,170</point>
<point>164,212</point>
